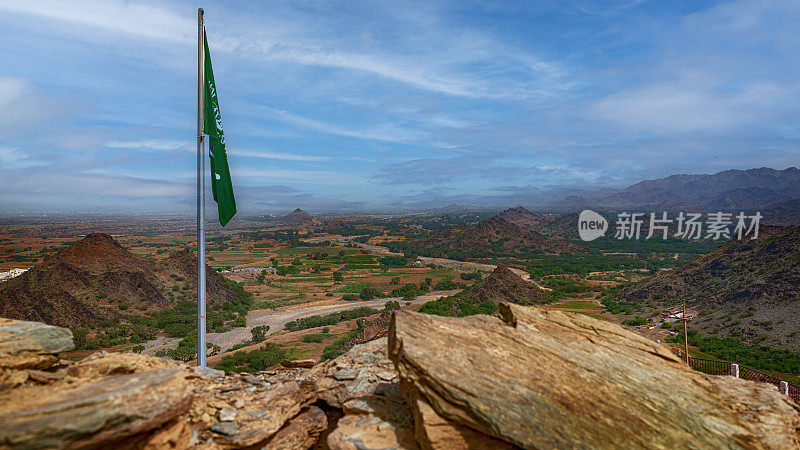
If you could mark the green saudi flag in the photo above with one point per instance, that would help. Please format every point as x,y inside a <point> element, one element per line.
<point>221,186</point>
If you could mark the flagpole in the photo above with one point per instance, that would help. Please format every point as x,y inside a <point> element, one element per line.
<point>201,203</point>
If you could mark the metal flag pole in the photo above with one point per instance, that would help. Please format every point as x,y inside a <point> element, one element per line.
<point>201,199</point>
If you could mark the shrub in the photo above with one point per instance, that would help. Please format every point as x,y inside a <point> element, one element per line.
<point>336,348</point>
<point>392,305</point>
<point>329,319</point>
<point>393,261</point>
<point>369,292</point>
<point>317,338</point>
<point>268,355</point>
<point>638,320</point>
<point>446,285</point>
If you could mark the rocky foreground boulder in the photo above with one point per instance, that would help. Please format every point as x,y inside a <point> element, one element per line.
<point>526,378</point>
<point>539,378</point>
<point>127,400</point>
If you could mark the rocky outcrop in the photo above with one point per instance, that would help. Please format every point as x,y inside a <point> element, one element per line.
<point>96,413</point>
<point>540,378</point>
<point>526,378</point>
<point>31,345</point>
<point>503,285</point>
<point>96,278</point>
<point>128,400</point>
<point>363,383</point>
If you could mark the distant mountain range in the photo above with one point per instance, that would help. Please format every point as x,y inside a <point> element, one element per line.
<point>752,189</point>
<point>96,279</point>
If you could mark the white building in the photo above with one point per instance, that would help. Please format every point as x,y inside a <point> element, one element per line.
<point>11,274</point>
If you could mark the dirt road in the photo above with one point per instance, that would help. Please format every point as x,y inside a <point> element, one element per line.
<point>276,320</point>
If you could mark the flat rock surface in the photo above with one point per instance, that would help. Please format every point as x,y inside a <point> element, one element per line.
<point>95,413</point>
<point>368,432</point>
<point>300,432</point>
<point>364,383</point>
<point>361,372</point>
<point>31,345</point>
<point>550,379</point>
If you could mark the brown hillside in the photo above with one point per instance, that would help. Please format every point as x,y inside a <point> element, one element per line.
<point>747,289</point>
<point>298,219</point>
<point>519,216</point>
<point>96,278</point>
<point>564,225</point>
<point>492,235</point>
<point>503,285</point>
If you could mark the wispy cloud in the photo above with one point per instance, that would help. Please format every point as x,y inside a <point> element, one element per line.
<point>438,96</point>
<point>161,145</point>
<point>277,155</point>
<point>387,132</point>
<point>320,177</point>
<point>131,18</point>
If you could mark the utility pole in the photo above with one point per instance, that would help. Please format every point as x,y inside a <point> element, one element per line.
<point>685,332</point>
<point>679,313</point>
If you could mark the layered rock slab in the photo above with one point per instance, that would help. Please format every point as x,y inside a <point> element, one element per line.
<point>540,378</point>
<point>363,383</point>
<point>94,414</point>
<point>31,345</point>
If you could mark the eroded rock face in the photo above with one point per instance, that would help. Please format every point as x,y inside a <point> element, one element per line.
<point>363,383</point>
<point>126,400</point>
<point>301,431</point>
<point>529,378</point>
<point>548,379</point>
<point>31,345</point>
<point>96,413</point>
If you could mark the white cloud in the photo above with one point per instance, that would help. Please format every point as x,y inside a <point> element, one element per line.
<point>22,106</point>
<point>153,145</point>
<point>11,88</point>
<point>277,155</point>
<point>671,107</point>
<point>14,158</point>
<point>384,67</point>
<point>387,133</point>
<point>305,176</point>
<point>136,19</point>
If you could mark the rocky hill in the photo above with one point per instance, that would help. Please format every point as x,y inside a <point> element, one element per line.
<point>520,217</point>
<point>728,190</point>
<point>564,225</point>
<point>503,285</point>
<point>297,220</point>
<point>96,278</point>
<point>494,235</point>
<point>525,378</point>
<point>784,214</point>
<point>747,289</point>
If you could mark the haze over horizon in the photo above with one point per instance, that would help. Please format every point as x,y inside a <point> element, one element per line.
<point>356,107</point>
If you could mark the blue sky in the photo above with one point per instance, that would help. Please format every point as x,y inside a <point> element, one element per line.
<point>354,106</point>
